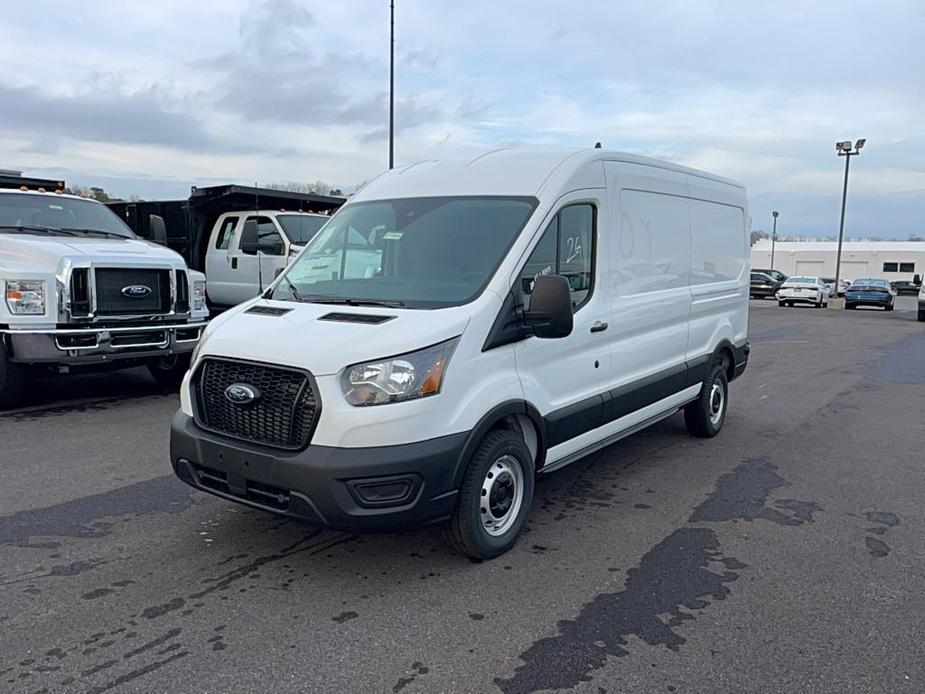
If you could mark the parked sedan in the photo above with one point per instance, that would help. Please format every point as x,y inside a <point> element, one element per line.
<point>763,286</point>
<point>803,290</point>
<point>843,285</point>
<point>870,291</point>
<point>775,275</point>
<point>905,287</point>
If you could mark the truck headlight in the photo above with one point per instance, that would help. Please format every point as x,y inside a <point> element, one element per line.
<point>405,377</point>
<point>199,295</point>
<point>26,297</point>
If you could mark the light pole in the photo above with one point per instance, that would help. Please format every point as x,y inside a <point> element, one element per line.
<point>392,84</point>
<point>847,150</point>
<point>774,214</point>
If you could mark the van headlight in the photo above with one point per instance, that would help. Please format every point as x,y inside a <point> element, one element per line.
<point>199,295</point>
<point>26,297</point>
<point>405,377</point>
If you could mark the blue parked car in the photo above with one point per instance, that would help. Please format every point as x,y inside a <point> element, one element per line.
<point>870,292</point>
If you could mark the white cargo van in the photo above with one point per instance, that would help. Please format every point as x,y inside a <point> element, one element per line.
<point>458,328</point>
<point>233,275</point>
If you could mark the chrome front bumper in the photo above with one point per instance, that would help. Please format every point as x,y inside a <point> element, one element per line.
<point>101,345</point>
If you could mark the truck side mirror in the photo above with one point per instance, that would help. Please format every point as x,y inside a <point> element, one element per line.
<point>249,240</point>
<point>158,229</point>
<point>550,313</point>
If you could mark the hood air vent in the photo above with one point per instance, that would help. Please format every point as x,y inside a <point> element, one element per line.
<point>268,311</point>
<point>368,318</point>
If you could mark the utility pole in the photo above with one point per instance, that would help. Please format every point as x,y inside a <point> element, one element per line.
<point>392,85</point>
<point>847,150</point>
<point>773,236</point>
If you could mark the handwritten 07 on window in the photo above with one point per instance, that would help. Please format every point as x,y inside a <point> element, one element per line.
<point>566,248</point>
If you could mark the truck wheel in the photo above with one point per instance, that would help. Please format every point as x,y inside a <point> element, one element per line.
<point>781,303</point>
<point>495,497</point>
<point>888,308</point>
<point>921,315</point>
<point>12,379</point>
<point>705,416</point>
<point>169,370</point>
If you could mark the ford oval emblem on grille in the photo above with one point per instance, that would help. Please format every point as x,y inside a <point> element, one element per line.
<point>136,291</point>
<point>241,394</point>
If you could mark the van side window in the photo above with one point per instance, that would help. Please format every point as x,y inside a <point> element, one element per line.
<point>566,248</point>
<point>269,242</point>
<point>223,240</point>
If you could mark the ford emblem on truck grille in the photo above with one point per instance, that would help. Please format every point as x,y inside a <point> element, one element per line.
<point>136,291</point>
<point>241,394</point>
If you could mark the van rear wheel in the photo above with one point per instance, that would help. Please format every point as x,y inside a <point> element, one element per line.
<point>495,497</point>
<point>705,416</point>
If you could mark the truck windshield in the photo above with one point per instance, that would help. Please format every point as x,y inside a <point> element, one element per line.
<point>301,228</point>
<point>415,252</point>
<point>28,211</point>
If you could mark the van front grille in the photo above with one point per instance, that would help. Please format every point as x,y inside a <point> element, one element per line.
<point>282,413</point>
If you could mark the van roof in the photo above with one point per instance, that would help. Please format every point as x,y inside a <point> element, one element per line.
<point>505,171</point>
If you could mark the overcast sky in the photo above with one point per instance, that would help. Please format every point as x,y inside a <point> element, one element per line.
<point>152,97</point>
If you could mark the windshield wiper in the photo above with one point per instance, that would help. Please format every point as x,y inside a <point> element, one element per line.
<point>293,290</point>
<point>346,301</point>
<point>94,231</point>
<point>29,227</point>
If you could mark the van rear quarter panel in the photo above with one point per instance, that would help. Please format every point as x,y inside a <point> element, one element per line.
<point>719,265</point>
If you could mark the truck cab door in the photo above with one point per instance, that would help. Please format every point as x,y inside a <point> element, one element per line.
<point>255,272</point>
<point>220,266</point>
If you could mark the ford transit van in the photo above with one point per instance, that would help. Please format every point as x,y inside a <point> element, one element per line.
<point>460,327</point>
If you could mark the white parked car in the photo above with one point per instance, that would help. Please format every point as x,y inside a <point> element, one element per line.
<point>459,327</point>
<point>803,290</point>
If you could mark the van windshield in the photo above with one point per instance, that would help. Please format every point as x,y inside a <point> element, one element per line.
<point>415,252</point>
<point>301,228</point>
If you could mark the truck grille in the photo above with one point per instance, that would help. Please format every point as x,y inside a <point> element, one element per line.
<point>283,414</point>
<point>112,300</point>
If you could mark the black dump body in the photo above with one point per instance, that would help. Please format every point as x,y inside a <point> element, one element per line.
<point>11,179</point>
<point>189,222</point>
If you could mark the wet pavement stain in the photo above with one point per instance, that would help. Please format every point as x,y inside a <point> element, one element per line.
<point>417,669</point>
<point>743,493</point>
<point>83,517</point>
<point>345,617</point>
<point>902,361</point>
<point>685,572</point>
<point>885,520</point>
<point>878,548</point>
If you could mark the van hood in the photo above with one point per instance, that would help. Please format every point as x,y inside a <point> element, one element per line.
<point>46,253</point>
<point>301,338</point>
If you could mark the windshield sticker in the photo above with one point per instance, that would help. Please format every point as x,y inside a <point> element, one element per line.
<point>392,235</point>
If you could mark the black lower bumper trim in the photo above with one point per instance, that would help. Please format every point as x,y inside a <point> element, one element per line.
<point>383,488</point>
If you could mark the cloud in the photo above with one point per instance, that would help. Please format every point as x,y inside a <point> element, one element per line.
<point>138,118</point>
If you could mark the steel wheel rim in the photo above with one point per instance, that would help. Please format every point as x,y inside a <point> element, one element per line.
<point>717,400</point>
<point>502,496</point>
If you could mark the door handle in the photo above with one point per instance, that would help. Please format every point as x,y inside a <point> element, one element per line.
<point>234,263</point>
<point>598,327</point>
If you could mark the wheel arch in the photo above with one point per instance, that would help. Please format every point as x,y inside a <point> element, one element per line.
<point>515,415</point>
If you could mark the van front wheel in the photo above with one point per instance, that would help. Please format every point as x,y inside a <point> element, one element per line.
<point>705,416</point>
<point>495,497</point>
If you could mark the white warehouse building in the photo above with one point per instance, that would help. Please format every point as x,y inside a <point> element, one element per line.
<point>890,260</point>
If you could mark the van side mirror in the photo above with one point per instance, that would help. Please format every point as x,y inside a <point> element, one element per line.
<point>158,229</point>
<point>550,313</point>
<point>249,241</point>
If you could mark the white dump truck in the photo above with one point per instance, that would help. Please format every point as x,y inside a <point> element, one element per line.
<point>80,289</point>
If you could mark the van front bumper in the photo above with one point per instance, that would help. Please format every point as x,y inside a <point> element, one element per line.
<point>383,488</point>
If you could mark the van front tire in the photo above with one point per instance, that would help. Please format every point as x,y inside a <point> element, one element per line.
<point>704,417</point>
<point>495,497</point>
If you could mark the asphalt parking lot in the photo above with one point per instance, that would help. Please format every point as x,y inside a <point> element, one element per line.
<point>785,555</point>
